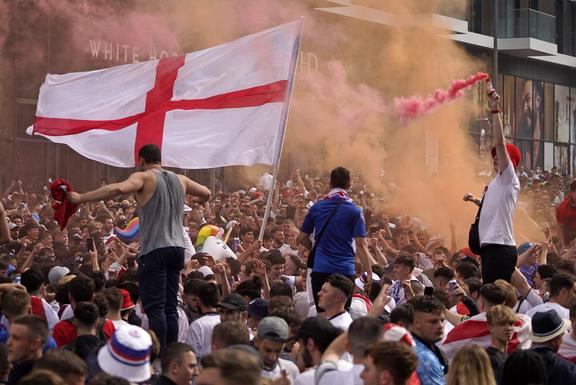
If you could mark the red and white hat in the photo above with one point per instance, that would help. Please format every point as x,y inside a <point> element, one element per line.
<point>127,354</point>
<point>397,333</point>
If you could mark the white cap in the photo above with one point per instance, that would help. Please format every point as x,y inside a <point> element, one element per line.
<point>56,273</point>
<point>205,270</point>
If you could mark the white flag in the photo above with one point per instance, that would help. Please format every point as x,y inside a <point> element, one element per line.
<point>217,107</point>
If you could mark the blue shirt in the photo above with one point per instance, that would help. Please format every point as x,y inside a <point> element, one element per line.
<point>334,253</point>
<point>430,370</point>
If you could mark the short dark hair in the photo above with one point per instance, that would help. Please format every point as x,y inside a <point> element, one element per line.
<point>561,281</point>
<point>114,298</point>
<point>275,258</point>
<point>279,287</point>
<point>230,333</point>
<point>426,304</point>
<point>363,332</point>
<point>340,178</point>
<point>402,314</point>
<point>174,353</point>
<point>62,362</point>
<point>397,358</point>
<point>474,284</point>
<point>37,327</point>
<point>467,270</point>
<point>546,271</point>
<point>249,288</point>
<point>81,288</point>
<point>86,313</point>
<point>209,294</point>
<point>32,280</point>
<point>320,330</point>
<point>405,260</point>
<point>191,286</point>
<point>342,283</point>
<point>444,272</point>
<point>493,294</point>
<point>150,153</point>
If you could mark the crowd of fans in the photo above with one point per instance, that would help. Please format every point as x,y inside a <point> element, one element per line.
<point>71,312</point>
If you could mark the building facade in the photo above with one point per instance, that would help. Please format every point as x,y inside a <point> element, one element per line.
<point>536,54</point>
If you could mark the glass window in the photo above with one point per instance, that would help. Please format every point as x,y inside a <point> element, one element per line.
<point>562,113</point>
<point>561,158</point>
<point>508,116</point>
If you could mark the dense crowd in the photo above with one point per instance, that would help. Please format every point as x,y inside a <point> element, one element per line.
<point>72,312</point>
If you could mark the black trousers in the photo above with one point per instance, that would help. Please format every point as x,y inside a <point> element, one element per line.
<point>318,280</point>
<point>498,262</point>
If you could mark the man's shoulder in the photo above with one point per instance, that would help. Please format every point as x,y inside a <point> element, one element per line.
<point>289,365</point>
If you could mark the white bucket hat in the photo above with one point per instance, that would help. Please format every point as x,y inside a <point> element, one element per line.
<point>127,354</point>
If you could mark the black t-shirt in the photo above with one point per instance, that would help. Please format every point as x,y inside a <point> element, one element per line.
<point>497,359</point>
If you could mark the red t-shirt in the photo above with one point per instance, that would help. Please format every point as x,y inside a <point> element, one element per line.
<point>65,331</point>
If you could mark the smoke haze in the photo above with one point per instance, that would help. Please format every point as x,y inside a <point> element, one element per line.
<point>340,114</point>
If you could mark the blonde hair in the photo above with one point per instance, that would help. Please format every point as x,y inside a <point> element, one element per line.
<point>471,366</point>
<point>500,315</point>
<point>509,291</point>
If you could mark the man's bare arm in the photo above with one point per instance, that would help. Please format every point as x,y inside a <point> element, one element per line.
<point>132,185</point>
<point>498,140</point>
<point>202,193</point>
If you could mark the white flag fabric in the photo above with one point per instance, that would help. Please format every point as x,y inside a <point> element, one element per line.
<point>216,107</point>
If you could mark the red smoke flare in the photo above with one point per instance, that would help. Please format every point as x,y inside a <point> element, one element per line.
<point>414,107</point>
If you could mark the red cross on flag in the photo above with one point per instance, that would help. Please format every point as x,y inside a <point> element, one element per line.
<point>222,106</point>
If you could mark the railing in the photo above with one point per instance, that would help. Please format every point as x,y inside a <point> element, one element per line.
<point>527,22</point>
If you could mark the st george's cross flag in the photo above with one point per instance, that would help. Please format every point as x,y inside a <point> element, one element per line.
<point>221,106</point>
<point>475,331</point>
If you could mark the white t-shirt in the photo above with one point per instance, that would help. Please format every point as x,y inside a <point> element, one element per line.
<point>307,377</point>
<point>67,313</point>
<point>348,377</point>
<point>287,250</point>
<point>532,300</point>
<point>497,215</point>
<point>119,323</point>
<point>561,310</point>
<point>282,364</point>
<point>200,333</point>
<point>189,249</point>
<point>341,321</point>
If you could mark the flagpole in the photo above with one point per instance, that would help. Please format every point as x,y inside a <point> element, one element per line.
<point>282,131</point>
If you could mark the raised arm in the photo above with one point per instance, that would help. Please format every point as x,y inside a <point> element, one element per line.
<point>132,185</point>
<point>498,140</point>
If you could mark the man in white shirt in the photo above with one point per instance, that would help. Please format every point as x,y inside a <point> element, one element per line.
<point>562,296</point>
<point>335,293</point>
<point>270,340</point>
<point>495,226</point>
<point>314,336</point>
<point>200,331</point>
